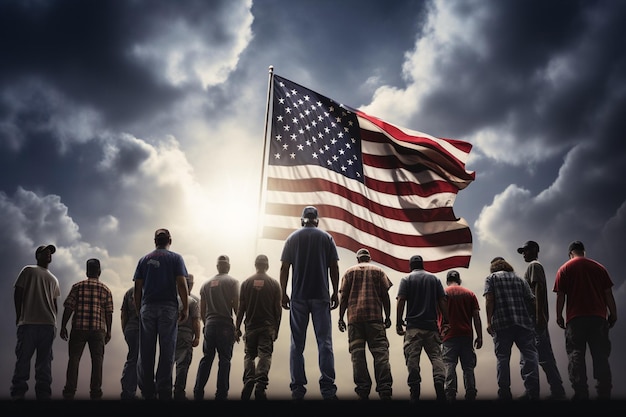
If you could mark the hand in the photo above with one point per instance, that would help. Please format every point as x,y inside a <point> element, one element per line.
<point>334,301</point>
<point>560,322</point>
<point>285,302</point>
<point>182,316</point>
<point>237,335</point>
<point>478,343</point>
<point>387,323</point>
<point>195,342</point>
<point>612,319</point>
<point>63,333</point>
<point>107,338</point>
<point>342,325</point>
<point>400,328</point>
<point>490,330</point>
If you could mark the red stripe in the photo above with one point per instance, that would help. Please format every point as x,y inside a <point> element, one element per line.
<point>383,258</point>
<point>458,236</point>
<point>408,214</point>
<point>442,158</point>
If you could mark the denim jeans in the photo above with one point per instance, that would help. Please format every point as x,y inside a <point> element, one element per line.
<point>157,323</point>
<point>184,355</point>
<point>219,337</point>
<point>31,339</point>
<point>129,372</point>
<point>374,335</point>
<point>76,345</point>
<point>524,339</point>
<point>299,313</point>
<point>592,331</point>
<point>259,343</point>
<point>461,349</point>
<point>414,341</point>
<point>548,363</point>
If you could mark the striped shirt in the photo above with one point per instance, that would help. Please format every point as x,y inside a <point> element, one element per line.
<point>512,299</point>
<point>90,300</point>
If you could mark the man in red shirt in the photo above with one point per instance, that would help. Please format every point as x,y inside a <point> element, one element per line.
<point>458,341</point>
<point>584,287</point>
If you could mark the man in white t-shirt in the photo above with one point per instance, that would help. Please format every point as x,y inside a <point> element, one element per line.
<point>35,297</point>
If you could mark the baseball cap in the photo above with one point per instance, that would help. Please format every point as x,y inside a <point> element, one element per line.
<point>162,232</point>
<point>309,212</point>
<point>223,258</point>
<point>93,267</point>
<point>363,253</point>
<point>453,275</point>
<point>261,259</point>
<point>576,245</point>
<point>41,248</point>
<point>529,244</point>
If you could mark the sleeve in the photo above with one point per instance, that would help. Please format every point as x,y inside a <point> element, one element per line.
<point>70,301</point>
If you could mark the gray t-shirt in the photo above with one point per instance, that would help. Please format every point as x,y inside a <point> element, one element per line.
<point>40,290</point>
<point>220,293</point>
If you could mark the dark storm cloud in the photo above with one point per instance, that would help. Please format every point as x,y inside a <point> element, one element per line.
<point>543,68</point>
<point>86,49</point>
<point>327,44</point>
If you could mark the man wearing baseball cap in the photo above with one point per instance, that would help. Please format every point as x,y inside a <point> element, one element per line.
<point>365,296</point>
<point>458,341</point>
<point>536,278</point>
<point>36,291</point>
<point>159,281</point>
<point>312,255</point>
<point>423,295</point>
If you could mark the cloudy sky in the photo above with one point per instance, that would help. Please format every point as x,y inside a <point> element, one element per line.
<point>117,118</point>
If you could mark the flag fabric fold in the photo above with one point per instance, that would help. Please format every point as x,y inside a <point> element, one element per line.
<point>376,185</point>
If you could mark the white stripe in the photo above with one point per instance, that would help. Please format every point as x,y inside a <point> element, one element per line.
<point>301,172</point>
<point>366,239</point>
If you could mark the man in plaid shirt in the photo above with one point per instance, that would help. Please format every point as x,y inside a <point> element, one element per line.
<point>91,304</point>
<point>508,300</point>
<point>365,295</point>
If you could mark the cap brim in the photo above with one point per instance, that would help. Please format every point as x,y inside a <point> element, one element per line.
<point>520,250</point>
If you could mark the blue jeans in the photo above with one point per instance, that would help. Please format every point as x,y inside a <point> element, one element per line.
<point>524,339</point>
<point>319,311</point>
<point>157,322</point>
<point>592,331</point>
<point>218,337</point>
<point>430,341</point>
<point>76,345</point>
<point>33,338</point>
<point>184,355</point>
<point>461,349</point>
<point>548,362</point>
<point>129,372</point>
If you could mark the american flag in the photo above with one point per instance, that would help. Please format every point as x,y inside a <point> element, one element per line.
<point>375,185</point>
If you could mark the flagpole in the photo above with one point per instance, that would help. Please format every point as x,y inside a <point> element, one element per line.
<point>265,150</point>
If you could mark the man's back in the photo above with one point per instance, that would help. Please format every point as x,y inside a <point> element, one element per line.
<point>219,293</point>
<point>462,303</point>
<point>310,251</point>
<point>40,288</point>
<point>159,270</point>
<point>91,300</point>
<point>364,285</point>
<point>262,296</point>
<point>422,290</point>
<point>584,281</point>
<point>513,299</point>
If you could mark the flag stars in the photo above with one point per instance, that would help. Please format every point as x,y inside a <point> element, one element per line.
<point>314,155</point>
<point>294,137</point>
<point>277,155</point>
<point>285,146</point>
<point>292,155</point>
<point>279,138</point>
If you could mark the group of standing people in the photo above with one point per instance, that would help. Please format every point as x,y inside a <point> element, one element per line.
<point>444,322</point>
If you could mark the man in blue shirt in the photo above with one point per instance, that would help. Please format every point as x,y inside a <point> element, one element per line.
<point>159,280</point>
<point>312,255</point>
